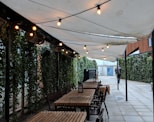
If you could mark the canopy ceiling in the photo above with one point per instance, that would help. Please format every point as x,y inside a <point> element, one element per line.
<point>121,22</point>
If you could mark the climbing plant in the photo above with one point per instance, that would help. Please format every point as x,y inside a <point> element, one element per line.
<point>49,69</point>
<point>59,71</point>
<point>24,91</point>
<point>2,76</point>
<point>139,67</point>
<point>84,63</point>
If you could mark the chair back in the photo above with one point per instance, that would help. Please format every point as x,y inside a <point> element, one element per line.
<point>103,95</point>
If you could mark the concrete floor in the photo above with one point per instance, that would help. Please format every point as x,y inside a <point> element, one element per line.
<point>138,108</point>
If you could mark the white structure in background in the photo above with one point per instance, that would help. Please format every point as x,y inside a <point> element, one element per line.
<point>106,68</point>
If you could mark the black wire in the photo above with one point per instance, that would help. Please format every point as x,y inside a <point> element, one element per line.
<point>72,14</point>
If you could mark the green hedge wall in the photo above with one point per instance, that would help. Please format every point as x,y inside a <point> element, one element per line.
<point>139,67</point>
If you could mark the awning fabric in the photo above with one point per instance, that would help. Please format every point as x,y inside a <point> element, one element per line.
<point>121,22</point>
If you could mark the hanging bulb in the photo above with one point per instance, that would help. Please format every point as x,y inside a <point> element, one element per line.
<point>85,47</point>
<point>102,49</point>
<point>104,58</point>
<point>87,52</point>
<point>98,10</point>
<point>73,52</point>
<point>60,44</point>
<point>62,50</point>
<point>59,22</point>
<point>107,46</point>
<point>34,28</point>
<point>31,34</point>
<point>16,27</point>
<point>66,52</point>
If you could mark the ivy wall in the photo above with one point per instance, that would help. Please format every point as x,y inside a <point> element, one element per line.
<point>35,73</point>
<point>139,67</point>
<point>84,63</point>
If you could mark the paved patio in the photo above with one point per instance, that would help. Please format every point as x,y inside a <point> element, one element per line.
<point>138,108</point>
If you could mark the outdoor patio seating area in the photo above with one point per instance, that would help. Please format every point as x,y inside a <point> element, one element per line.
<point>138,108</point>
<point>76,61</point>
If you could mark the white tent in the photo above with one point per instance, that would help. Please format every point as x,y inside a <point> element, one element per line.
<point>121,22</point>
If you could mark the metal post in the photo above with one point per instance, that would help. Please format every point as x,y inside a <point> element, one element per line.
<point>57,69</point>
<point>7,82</point>
<point>153,64</point>
<point>117,74</point>
<point>126,76</point>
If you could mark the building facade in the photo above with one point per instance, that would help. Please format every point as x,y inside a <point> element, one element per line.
<point>142,46</point>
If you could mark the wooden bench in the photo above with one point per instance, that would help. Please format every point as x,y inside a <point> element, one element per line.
<point>58,116</point>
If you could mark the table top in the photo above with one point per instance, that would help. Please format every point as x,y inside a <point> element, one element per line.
<point>90,85</point>
<point>58,116</point>
<point>73,98</point>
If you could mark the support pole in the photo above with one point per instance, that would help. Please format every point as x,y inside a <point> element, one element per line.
<point>57,69</point>
<point>126,76</point>
<point>7,79</point>
<point>117,74</point>
<point>153,64</point>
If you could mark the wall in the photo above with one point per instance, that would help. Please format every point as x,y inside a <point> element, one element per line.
<point>103,70</point>
<point>141,45</point>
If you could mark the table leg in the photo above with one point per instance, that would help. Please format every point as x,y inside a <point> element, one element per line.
<point>88,113</point>
<point>55,108</point>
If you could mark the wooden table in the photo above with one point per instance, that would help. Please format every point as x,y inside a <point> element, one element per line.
<point>75,99</point>
<point>90,85</point>
<point>58,116</point>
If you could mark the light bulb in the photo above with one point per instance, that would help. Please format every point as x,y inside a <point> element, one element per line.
<point>73,52</point>
<point>31,34</point>
<point>102,49</point>
<point>104,58</point>
<point>87,52</point>
<point>60,44</point>
<point>34,28</point>
<point>85,47</point>
<point>107,46</point>
<point>98,10</point>
<point>16,27</point>
<point>59,22</point>
<point>62,50</point>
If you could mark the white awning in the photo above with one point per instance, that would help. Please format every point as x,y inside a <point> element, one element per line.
<point>121,22</point>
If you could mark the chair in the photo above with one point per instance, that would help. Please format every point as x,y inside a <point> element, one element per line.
<point>103,100</point>
<point>100,115</point>
<point>95,109</point>
<point>96,103</point>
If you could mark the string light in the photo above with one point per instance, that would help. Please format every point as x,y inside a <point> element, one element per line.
<point>98,10</point>
<point>104,58</point>
<point>85,47</point>
<point>16,27</point>
<point>87,52</point>
<point>74,52</point>
<point>66,52</point>
<point>102,49</point>
<point>59,22</point>
<point>60,44</point>
<point>34,28</point>
<point>62,50</point>
<point>107,46</point>
<point>31,34</point>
